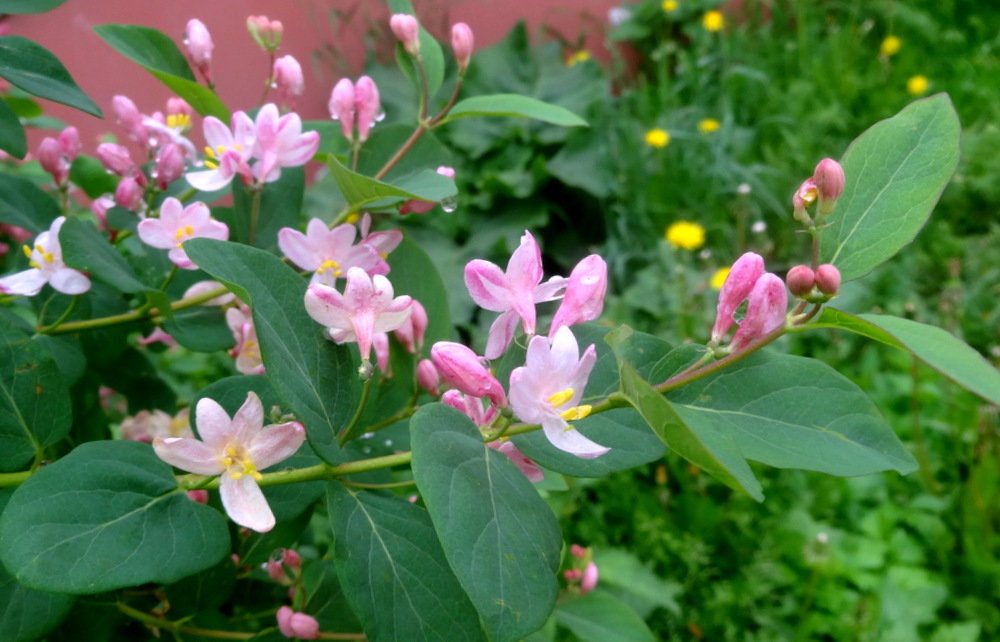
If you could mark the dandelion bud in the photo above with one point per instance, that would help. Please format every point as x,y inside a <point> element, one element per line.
<point>828,279</point>
<point>738,284</point>
<point>461,368</point>
<point>115,158</point>
<point>589,580</point>
<point>800,280</point>
<point>766,308</point>
<point>829,179</point>
<point>366,105</point>
<point>169,164</point>
<point>266,33</point>
<point>297,625</point>
<point>407,31</point>
<point>50,157</point>
<point>288,79</point>
<point>199,44</point>
<point>341,106</point>
<point>461,44</point>
<point>428,377</point>
<point>69,143</point>
<point>128,194</point>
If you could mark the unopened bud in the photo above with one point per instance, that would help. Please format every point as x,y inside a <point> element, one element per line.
<point>129,117</point>
<point>291,558</point>
<point>266,33</point>
<point>178,106</point>
<point>366,105</point>
<point>572,574</point>
<point>276,571</point>
<point>828,279</point>
<point>461,44</point>
<point>288,79</point>
<point>115,158</point>
<point>169,164</point>
<point>407,31</point>
<point>200,496</point>
<point>199,44</point>
<point>428,377</point>
<point>829,179</point>
<point>341,106</point>
<point>766,309</point>
<point>800,280</point>
<point>297,625</point>
<point>461,368</point>
<point>577,551</point>
<point>738,284</point>
<point>69,143</point>
<point>128,194</point>
<point>803,198</point>
<point>411,333</point>
<point>99,207</point>
<point>589,580</point>
<point>51,158</point>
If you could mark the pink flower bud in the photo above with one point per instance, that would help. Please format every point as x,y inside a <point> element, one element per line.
<point>829,179</point>
<point>200,496</point>
<point>128,116</point>
<point>291,559</point>
<point>461,368</point>
<point>803,198</point>
<point>366,105</point>
<point>341,106</point>
<point>766,310</point>
<point>380,342</point>
<point>411,333</point>
<point>99,207</point>
<point>828,279</point>
<point>266,33</point>
<point>584,297</point>
<point>577,551</point>
<point>297,625</point>
<point>50,157</point>
<point>589,580</point>
<point>407,31</point>
<point>737,287</point>
<point>115,158</point>
<point>800,280</point>
<point>128,194</point>
<point>276,571</point>
<point>69,142</point>
<point>428,377</point>
<point>199,45</point>
<point>177,105</point>
<point>447,172</point>
<point>169,164</point>
<point>572,574</point>
<point>461,44</point>
<point>288,79</point>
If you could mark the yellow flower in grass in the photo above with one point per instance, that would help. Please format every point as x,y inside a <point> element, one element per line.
<point>580,56</point>
<point>890,46</point>
<point>917,85</point>
<point>718,278</point>
<point>708,125</point>
<point>685,235</point>
<point>657,138</point>
<point>669,6</point>
<point>713,21</point>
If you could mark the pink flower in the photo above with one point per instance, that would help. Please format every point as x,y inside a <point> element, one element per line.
<point>800,280</point>
<point>428,377</point>
<point>169,164</point>
<point>512,293</point>
<point>53,161</point>
<point>146,426</point>
<point>236,449</point>
<point>176,225</point>
<point>341,106</point>
<point>199,44</point>
<point>547,391</point>
<point>367,306</point>
<point>589,580</point>
<point>280,143</point>
<point>461,44</point>
<point>367,107</point>
<point>461,368</point>
<point>116,159</point>
<point>406,28</point>
<point>828,279</point>
<point>129,117</point>
<point>247,349</point>
<point>329,254</point>
<point>128,194</point>
<point>584,297</point>
<point>288,79</point>
<point>228,151</point>
<point>737,286</point>
<point>766,308</point>
<point>45,259</point>
<point>297,625</point>
<point>411,333</point>
<point>204,287</point>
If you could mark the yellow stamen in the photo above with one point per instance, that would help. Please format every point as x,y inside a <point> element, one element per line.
<point>209,152</point>
<point>27,251</point>
<point>329,264</point>
<point>560,397</point>
<point>178,121</point>
<point>236,475</point>
<point>576,412</point>
<point>182,234</point>
<point>211,164</point>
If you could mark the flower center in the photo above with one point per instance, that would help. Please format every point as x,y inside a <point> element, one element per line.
<point>570,414</point>
<point>43,254</point>
<point>178,121</point>
<point>182,234</point>
<point>216,153</point>
<point>329,264</point>
<point>238,464</point>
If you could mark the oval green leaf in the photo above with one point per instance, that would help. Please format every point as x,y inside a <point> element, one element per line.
<point>598,617</point>
<point>28,6</point>
<point>12,138</point>
<point>24,204</point>
<point>895,173</point>
<point>107,516</point>
<point>514,105</point>
<point>361,191</point>
<point>84,248</point>
<point>33,68</point>
<point>501,539</point>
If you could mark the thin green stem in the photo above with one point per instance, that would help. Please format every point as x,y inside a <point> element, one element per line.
<point>399,484</point>
<point>62,317</point>
<point>406,147</point>
<point>258,192</point>
<point>178,627</point>
<point>365,392</point>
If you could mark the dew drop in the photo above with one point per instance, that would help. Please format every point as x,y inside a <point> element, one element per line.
<point>449,204</point>
<point>380,116</point>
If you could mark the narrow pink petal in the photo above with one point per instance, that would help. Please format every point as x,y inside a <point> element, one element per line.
<point>216,132</point>
<point>487,285</point>
<point>565,352</point>
<point>179,257</point>
<point>248,420</point>
<point>156,233</point>
<point>501,334</point>
<point>298,248</point>
<point>188,454</point>
<point>525,399</point>
<point>69,281</point>
<point>301,152</point>
<point>245,503</point>
<point>27,283</point>
<point>394,316</point>
<point>214,424</point>
<point>551,289</point>
<point>384,242</point>
<point>568,439</point>
<point>524,270</point>
<point>524,464</point>
<point>171,211</point>
<point>276,443</point>
<point>327,306</point>
<point>209,180</point>
<point>213,230</point>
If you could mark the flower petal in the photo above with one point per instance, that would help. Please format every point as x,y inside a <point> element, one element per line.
<point>487,285</point>
<point>501,334</point>
<point>276,443</point>
<point>69,281</point>
<point>28,283</point>
<point>245,503</point>
<point>248,420</point>
<point>565,437</point>
<point>188,454</point>
<point>214,424</point>
<point>209,180</point>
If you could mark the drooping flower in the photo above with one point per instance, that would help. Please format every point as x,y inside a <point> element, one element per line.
<point>280,143</point>
<point>657,137</point>
<point>685,235</point>
<point>45,259</point>
<point>236,448</point>
<point>766,308</point>
<point>367,306</point>
<point>199,45</point>
<point>547,390</point>
<point>288,79</point>
<point>461,368</point>
<point>461,44</point>
<point>367,106</point>
<point>228,151</point>
<point>513,293</point>
<point>178,224</point>
<point>583,299</point>
<point>330,253</point>
<point>247,348</point>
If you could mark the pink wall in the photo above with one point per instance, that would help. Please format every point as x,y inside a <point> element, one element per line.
<point>326,36</point>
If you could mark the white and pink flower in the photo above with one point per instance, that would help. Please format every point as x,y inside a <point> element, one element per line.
<point>178,224</point>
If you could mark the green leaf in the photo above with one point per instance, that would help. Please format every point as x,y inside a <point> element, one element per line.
<point>88,174</point>
<point>28,614</point>
<point>413,273</point>
<point>12,138</point>
<point>35,409</point>
<point>107,516</point>
<point>33,68</point>
<point>386,140</point>
<point>514,105</point>
<point>156,53</point>
<point>24,204</point>
<point>793,412</point>
<point>84,248</point>
<point>598,617</point>
<point>709,448</point>
<point>360,190</point>
<point>200,328</point>
<point>327,601</point>
<point>316,379</point>
<point>500,537</point>
<point>895,174</point>
<point>28,6</point>
<point>393,570</point>
<point>936,347</point>
<point>280,205</point>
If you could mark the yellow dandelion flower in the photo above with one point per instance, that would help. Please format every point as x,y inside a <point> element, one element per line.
<point>890,46</point>
<point>718,278</point>
<point>713,21</point>
<point>917,85</point>
<point>657,138</point>
<point>708,125</point>
<point>669,6</point>
<point>580,56</point>
<point>685,235</point>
